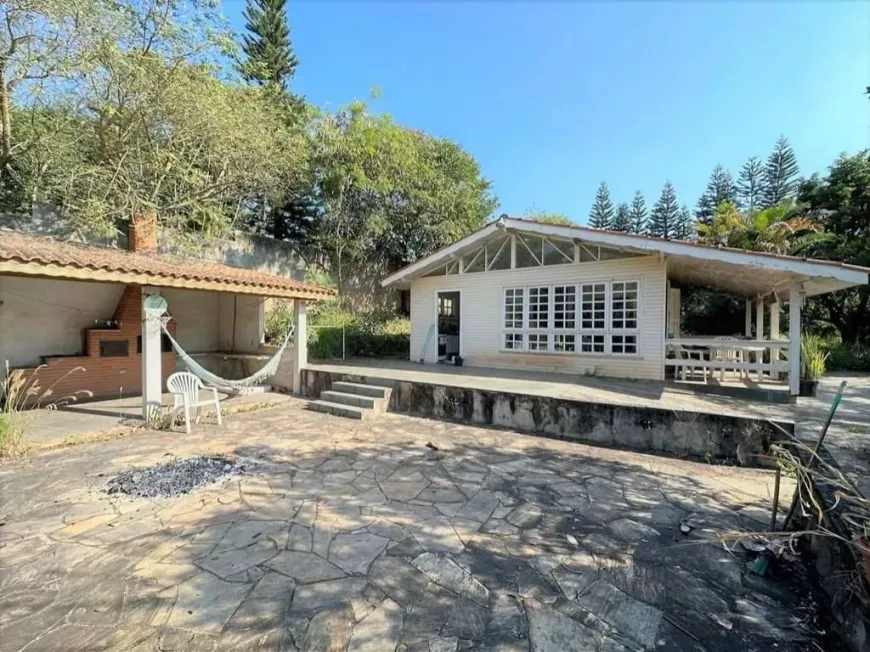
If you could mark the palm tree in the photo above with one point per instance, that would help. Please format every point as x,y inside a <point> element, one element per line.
<point>782,229</point>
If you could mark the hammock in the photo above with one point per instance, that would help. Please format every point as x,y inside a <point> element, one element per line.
<point>211,379</point>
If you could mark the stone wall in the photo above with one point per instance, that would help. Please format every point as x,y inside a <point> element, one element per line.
<point>685,434</point>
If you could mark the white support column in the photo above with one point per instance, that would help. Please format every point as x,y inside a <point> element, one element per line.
<point>794,338</point>
<point>576,252</point>
<point>152,373</point>
<point>759,332</point>
<point>513,251</point>
<point>759,318</point>
<point>300,335</point>
<point>461,269</point>
<point>749,318</point>
<point>775,355</point>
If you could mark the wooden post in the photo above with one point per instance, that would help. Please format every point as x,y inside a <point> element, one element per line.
<point>759,332</point>
<point>749,318</point>
<point>775,355</point>
<point>794,338</point>
<point>152,373</point>
<point>300,335</point>
<point>513,251</point>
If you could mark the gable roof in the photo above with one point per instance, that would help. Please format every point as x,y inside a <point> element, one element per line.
<point>747,272</point>
<point>36,256</point>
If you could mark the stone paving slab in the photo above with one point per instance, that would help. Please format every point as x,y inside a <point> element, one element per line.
<point>354,536</point>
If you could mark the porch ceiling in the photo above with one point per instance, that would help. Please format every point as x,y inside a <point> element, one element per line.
<point>745,280</point>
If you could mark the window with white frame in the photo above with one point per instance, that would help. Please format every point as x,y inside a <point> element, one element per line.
<point>513,308</point>
<point>539,308</point>
<point>564,342</point>
<point>513,341</point>
<point>538,342</point>
<point>624,296</point>
<point>513,319</point>
<point>564,307</point>
<point>623,305</point>
<point>588,318</point>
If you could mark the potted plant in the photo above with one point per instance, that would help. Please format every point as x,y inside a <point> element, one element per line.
<point>813,364</point>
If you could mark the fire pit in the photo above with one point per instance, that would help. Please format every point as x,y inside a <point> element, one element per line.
<point>173,478</point>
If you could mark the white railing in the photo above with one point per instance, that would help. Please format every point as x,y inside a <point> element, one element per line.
<point>688,355</point>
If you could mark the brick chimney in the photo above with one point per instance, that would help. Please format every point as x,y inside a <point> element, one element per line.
<point>142,232</point>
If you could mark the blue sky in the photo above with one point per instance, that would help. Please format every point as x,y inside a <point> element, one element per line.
<point>554,98</point>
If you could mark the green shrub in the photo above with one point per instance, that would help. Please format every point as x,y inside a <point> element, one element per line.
<point>278,321</point>
<point>848,357</point>
<point>813,357</point>
<point>325,343</point>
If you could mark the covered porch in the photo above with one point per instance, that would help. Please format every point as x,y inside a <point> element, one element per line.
<point>85,322</point>
<point>766,355</point>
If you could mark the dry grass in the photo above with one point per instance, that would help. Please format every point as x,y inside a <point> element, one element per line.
<point>20,396</point>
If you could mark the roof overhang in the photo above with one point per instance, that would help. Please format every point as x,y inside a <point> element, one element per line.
<point>732,270</point>
<point>64,273</point>
<point>46,258</point>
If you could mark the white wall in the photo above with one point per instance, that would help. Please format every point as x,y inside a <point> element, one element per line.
<point>481,317</point>
<point>196,316</point>
<point>241,322</point>
<point>41,317</point>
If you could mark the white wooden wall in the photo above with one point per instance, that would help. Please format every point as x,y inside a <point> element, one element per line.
<point>481,317</point>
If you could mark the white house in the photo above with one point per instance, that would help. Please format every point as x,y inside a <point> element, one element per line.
<point>522,294</point>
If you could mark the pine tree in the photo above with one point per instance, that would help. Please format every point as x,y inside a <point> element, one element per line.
<point>720,188</point>
<point>780,173</point>
<point>665,214</point>
<point>622,221</point>
<point>638,213</point>
<point>684,228</point>
<point>269,55</point>
<point>750,184</point>
<point>601,214</point>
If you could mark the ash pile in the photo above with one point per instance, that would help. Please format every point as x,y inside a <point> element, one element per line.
<point>174,478</point>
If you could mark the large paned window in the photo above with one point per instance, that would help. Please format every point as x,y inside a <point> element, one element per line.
<point>539,308</point>
<point>600,318</point>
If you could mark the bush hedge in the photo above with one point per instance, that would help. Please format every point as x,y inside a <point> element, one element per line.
<point>848,357</point>
<point>325,343</point>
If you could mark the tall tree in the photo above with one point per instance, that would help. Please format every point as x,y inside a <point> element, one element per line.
<point>601,214</point>
<point>780,174</point>
<point>842,199</point>
<point>269,58</point>
<point>665,214</point>
<point>43,44</point>
<point>750,184</point>
<point>720,188</point>
<point>784,229</point>
<point>546,217</point>
<point>622,220</point>
<point>638,213</point>
<point>684,227</point>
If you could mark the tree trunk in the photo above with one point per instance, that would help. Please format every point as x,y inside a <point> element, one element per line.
<point>5,122</point>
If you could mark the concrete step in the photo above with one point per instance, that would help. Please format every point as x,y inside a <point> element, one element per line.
<point>357,400</point>
<point>340,410</point>
<point>360,388</point>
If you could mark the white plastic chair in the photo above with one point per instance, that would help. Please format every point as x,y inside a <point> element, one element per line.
<point>185,389</point>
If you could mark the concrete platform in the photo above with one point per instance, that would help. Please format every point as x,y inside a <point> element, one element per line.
<point>635,415</point>
<point>641,393</point>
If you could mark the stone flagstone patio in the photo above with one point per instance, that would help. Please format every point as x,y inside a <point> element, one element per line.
<point>357,536</point>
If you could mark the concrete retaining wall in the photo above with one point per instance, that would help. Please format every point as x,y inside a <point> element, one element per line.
<point>691,434</point>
